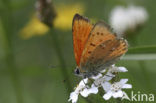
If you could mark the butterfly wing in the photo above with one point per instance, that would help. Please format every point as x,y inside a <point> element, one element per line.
<point>106,54</point>
<point>81,29</point>
<point>99,34</point>
<point>94,55</point>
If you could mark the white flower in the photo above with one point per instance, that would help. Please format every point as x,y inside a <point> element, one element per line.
<point>83,89</point>
<point>123,19</point>
<point>92,90</point>
<point>115,89</point>
<point>115,69</point>
<point>98,82</point>
<point>73,97</point>
<point>79,88</point>
<point>97,77</point>
<point>102,80</point>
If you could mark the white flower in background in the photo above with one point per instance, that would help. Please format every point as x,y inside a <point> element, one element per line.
<point>123,19</point>
<point>111,90</point>
<point>115,89</point>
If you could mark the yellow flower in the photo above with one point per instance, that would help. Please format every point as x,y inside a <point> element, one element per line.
<point>34,27</point>
<point>65,15</point>
<point>62,21</point>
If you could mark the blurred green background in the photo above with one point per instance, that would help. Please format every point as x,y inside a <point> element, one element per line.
<point>37,64</point>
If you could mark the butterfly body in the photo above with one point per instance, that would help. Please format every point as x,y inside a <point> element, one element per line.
<point>95,46</point>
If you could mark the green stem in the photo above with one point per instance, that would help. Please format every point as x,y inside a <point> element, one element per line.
<point>10,62</point>
<point>47,14</point>
<point>7,32</point>
<point>59,54</point>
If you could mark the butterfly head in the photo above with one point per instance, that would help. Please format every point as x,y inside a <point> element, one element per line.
<point>77,72</point>
<point>84,74</point>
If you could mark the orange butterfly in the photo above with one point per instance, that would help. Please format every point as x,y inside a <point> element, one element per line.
<point>95,46</point>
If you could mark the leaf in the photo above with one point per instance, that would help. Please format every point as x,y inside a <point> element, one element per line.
<point>139,57</point>
<point>142,50</point>
<point>141,53</point>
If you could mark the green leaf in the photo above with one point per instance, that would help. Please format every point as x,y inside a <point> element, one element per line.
<point>142,50</point>
<point>139,57</point>
<point>141,53</point>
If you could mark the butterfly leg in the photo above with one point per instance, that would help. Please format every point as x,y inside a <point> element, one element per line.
<point>108,75</point>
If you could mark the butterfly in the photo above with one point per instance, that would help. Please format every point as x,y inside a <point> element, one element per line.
<point>95,46</point>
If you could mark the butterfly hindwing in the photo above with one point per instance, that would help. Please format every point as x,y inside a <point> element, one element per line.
<point>81,29</point>
<point>106,54</point>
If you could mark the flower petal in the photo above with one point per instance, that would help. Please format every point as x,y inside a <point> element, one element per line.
<point>114,69</point>
<point>92,90</point>
<point>98,82</point>
<point>73,97</point>
<point>97,77</point>
<point>123,81</point>
<point>117,94</point>
<point>122,69</point>
<point>106,86</point>
<point>104,70</point>
<point>108,76</point>
<point>85,92</point>
<point>83,82</point>
<point>107,95</point>
<point>81,85</point>
<point>127,86</point>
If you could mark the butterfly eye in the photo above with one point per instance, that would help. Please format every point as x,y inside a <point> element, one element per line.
<point>77,71</point>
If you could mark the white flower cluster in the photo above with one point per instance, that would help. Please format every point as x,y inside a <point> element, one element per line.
<point>111,89</point>
<point>123,19</point>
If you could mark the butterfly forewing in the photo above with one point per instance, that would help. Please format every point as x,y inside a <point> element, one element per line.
<point>99,34</point>
<point>81,29</point>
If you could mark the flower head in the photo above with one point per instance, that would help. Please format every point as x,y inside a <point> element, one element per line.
<point>115,69</point>
<point>83,89</point>
<point>34,27</point>
<point>92,90</point>
<point>115,89</point>
<point>127,19</point>
<point>102,80</point>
